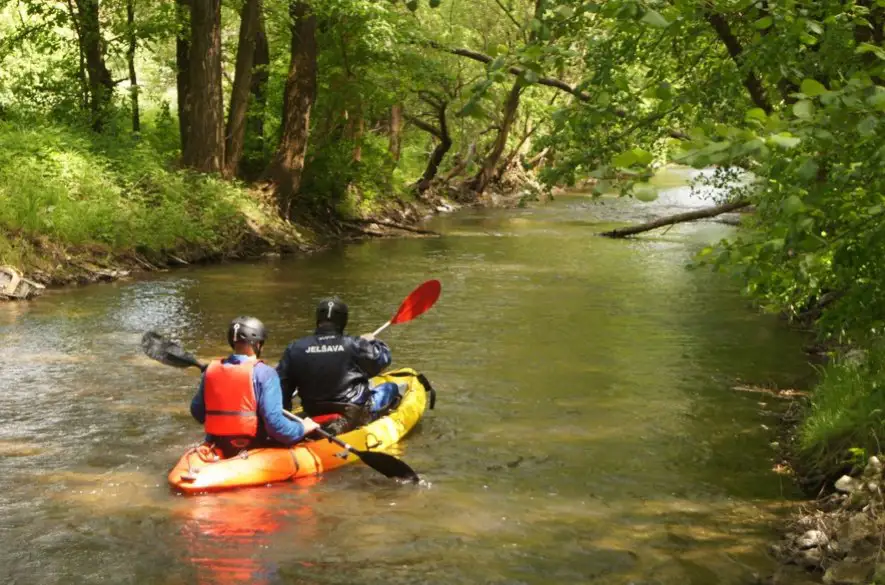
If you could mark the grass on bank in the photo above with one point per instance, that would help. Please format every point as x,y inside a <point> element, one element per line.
<point>846,420</point>
<point>69,188</point>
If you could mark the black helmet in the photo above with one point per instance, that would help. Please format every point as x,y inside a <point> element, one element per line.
<point>332,310</point>
<point>246,329</point>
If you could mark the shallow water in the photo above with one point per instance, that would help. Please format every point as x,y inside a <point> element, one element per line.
<point>586,430</point>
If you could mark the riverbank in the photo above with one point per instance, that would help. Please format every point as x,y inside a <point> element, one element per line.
<point>76,209</point>
<point>839,538</point>
<point>830,444</point>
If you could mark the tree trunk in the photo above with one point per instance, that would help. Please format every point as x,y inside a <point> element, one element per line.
<point>252,161</point>
<point>358,127</point>
<point>485,174</point>
<point>298,100</point>
<point>678,218</point>
<point>538,159</point>
<point>396,131</point>
<point>82,75</point>
<point>439,153</point>
<point>101,85</point>
<point>130,58</point>
<point>461,163</point>
<point>205,143</point>
<point>239,100</point>
<point>182,76</point>
<point>508,160</point>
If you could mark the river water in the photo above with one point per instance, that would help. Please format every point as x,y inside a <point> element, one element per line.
<point>586,429</point>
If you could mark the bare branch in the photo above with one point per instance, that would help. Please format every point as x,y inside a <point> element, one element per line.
<point>509,14</point>
<point>423,125</point>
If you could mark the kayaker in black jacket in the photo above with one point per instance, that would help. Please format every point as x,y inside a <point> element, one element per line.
<point>330,371</point>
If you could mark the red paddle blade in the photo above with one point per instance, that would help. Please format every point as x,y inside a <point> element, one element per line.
<point>421,299</point>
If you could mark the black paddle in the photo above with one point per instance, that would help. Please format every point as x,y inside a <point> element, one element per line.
<point>168,352</point>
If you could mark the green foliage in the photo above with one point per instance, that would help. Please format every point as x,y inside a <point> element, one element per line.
<point>846,418</point>
<point>61,184</point>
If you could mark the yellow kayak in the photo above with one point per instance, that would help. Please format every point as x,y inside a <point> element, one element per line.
<point>201,469</point>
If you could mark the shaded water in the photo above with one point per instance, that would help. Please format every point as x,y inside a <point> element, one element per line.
<point>586,430</point>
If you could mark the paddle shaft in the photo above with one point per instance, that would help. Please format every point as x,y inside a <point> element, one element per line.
<point>326,435</point>
<point>382,328</point>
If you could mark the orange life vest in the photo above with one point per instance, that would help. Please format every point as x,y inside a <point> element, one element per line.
<point>231,407</point>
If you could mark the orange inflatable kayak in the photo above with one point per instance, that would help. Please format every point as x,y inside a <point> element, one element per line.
<point>201,468</point>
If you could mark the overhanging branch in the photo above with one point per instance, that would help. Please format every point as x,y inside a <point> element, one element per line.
<point>423,125</point>
<point>546,81</point>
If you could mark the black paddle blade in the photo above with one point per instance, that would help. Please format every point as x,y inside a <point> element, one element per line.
<point>389,465</point>
<point>167,352</point>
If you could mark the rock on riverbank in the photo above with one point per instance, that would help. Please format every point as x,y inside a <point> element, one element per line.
<point>841,538</point>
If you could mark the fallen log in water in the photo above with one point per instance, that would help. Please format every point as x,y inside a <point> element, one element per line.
<point>678,218</point>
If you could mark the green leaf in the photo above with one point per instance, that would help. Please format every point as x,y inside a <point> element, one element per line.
<point>472,109</point>
<point>756,114</point>
<point>808,170</point>
<point>785,140</point>
<point>812,87</point>
<point>625,159</point>
<point>663,91</point>
<point>603,99</point>
<point>645,192</point>
<point>807,39</point>
<point>499,62</point>
<point>655,19</point>
<point>774,244</point>
<point>501,49</point>
<point>877,100</point>
<point>602,187</point>
<point>643,157</point>
<point>803,109</point>
<point>565,11</point>
<point>867,126</point>
<point>870,48</point>
<point>600,172</point>
<point>763,23</point>
<point>530,76</point>
<point>792,205</point>
<point>815,27</point>
<point>751,146</point>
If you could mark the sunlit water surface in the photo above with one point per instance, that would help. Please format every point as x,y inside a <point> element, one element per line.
<point>586,429</point>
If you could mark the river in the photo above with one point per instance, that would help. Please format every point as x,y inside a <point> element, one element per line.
<point>586,429</point>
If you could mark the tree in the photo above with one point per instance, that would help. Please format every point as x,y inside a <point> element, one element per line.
<point>130,61</point>
<point>439,104</point>
<point>204,146</point>
<point>235,133</point>
<point>101,85</point>
<point>183,69</point>
<point>300,93</point>
<point>251,164</point>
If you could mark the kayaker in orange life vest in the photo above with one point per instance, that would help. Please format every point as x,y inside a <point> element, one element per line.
<point>239,400</point>
<point>330,371</point>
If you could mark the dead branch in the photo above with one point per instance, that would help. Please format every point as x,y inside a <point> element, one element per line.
<point>678,218</point>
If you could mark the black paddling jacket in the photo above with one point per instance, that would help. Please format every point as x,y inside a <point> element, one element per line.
<point>328,367</point>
